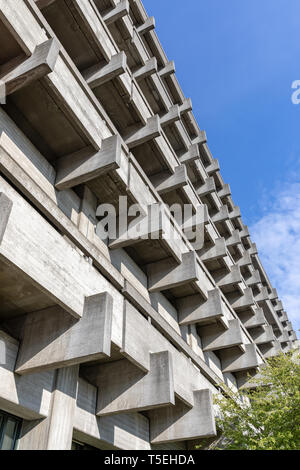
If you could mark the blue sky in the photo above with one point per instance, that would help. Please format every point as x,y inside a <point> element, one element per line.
<point>237,60</point>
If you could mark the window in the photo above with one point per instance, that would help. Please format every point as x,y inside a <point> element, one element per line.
<point>9,431</point>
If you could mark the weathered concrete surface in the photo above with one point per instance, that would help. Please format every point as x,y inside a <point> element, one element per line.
<point>192,309</point>
<point>123,387</point>
<point>214,337</point>
<point>234,360</point>
<point>56,431</point>
<point>178,423</point>
<point>52,339</point>
<point>128,431</point>
<point>28,397</point>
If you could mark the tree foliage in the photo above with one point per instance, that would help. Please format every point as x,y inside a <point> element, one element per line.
<point>266,417</point>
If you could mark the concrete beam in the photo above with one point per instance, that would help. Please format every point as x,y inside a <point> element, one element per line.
<point>283,337</point>
<point>214,337</point>
<point>262,334</point>
<point>208,187</point>
<point>234,239</point>
<point>137,136</point>
<point>178,423</point>
<point>86,165</point>
<point>213,167</point>
<point>146,70</point>
<point>167,274</point>
<point>52,339</point>
<point>123,387</point>
<point>186,106</point>
<point>192,309</point>
<point>116,13</point>
<point>141,338</point>
<point>245,260</point>
<point>244,233</point>
<point>201,138</point>
<point>146,27</point>
<point>221,215</point>
<point>224,278</point>
<point>253,279</point>
<point>251,321</point>
<point>233,360</point>
<point>270,349</point>
<point>28,397</point>
<point>235,213</point>
<point>171,116</point>
<point>273,295</point>
<point>253,249</point>
<point>153,226</point>
<point>99,74</point>
<point>278,306</point>
<point>241,302</point>
<point>56,431</point>
<point>218,250</point>
<point>262,295</point>
<point>125,431</point>
<point>37,66</point>
<point>167,70</point>
<point>192,154</point>
<point>224,191</point>
<point>164,182</point>
<point>33,248</point>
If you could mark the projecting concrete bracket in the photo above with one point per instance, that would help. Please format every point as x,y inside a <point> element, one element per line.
<point>192,309</point>
<point>86,165</point>
<point>214,337</point>
<point>53,339</point>
<point>218,250</point>
<point>123,387</point>
<point>166,274</point>
<point>38,65</point>
<point>164,182</point>
<point>99,74</point>
<point>233,360</point>
<point>179,423</point>
<point>138,136</point>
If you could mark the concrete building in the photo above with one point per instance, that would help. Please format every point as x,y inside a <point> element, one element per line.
<point>116,344</point>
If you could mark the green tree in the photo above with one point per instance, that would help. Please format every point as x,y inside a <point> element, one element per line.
<point>266,417</point>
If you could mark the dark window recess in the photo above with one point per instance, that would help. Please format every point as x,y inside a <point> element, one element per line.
<point>80,446</point>
<point>9,431</point>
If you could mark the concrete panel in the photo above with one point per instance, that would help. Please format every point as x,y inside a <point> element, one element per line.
<point>234,360</point>
<point>241,302</point>
<point>122,431</point>
<point>41,63</point>
<point>55,432</point>
<point>192,309</point>
<point>167,274</point>
<point>140,338</point>
<point>178,423</point>
<point>262,334</point>
<point>98,74</point>
<point>28,397</point>
<point>123,387</point>
<point>52,339</point>
<point>251,321</point>
<point>86,165</point>
<point>218,250</point>
<point>214,337</point>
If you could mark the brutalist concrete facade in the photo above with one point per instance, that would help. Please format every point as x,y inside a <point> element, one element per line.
<point>117,344</point>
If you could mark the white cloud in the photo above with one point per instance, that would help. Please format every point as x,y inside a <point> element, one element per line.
<point>277,235</point>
